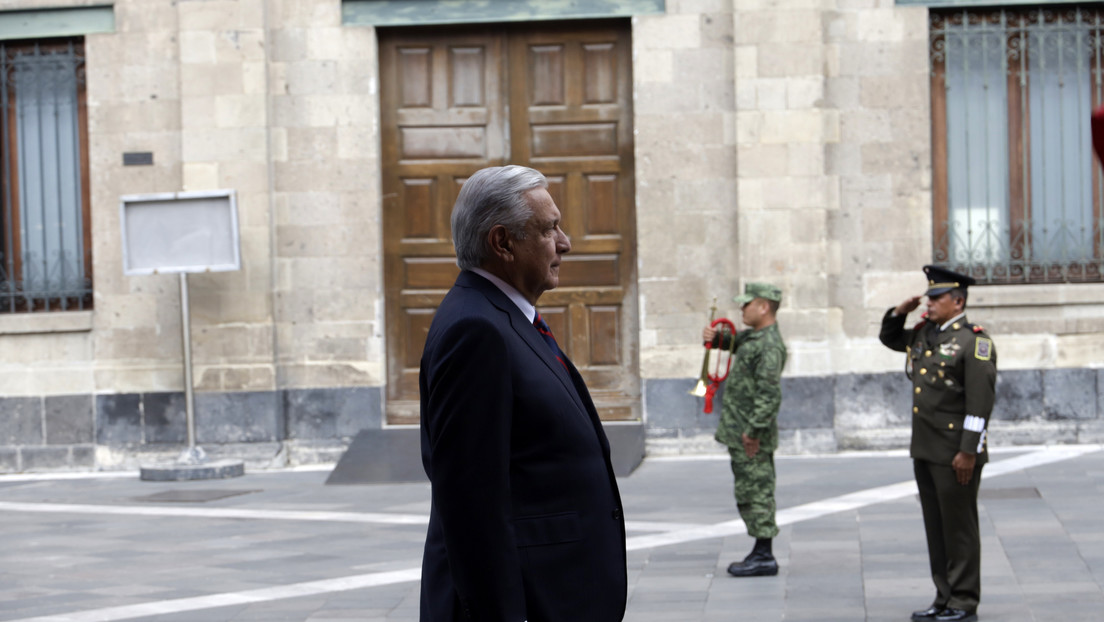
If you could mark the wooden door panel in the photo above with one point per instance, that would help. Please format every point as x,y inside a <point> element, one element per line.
<point>605,335</point>
<point>467,65</point>
<point>552,140</point>
<point>438,143</point>
<point>571,119</point>
<point>416,322</point>
<point>600,77</point>
<point>429,272</point>
<point>590,270</point>
<point>601,207</point>
<point>556,97</point>
<point>546,65</point>
<point>418,199</point>
<point>441,119</point>
<point>415,76</point>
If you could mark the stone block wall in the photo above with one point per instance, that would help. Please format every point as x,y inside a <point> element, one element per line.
<point>277,101</point>
<point>823,414</point>
<point>684,106</point>
<point>828,185</point>
<point>785,142</point>
<point>128,430</point>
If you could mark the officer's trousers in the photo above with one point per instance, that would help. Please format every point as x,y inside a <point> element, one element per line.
<point>951,524</point>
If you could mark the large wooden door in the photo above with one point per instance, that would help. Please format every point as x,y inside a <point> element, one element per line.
<point>556,97</point>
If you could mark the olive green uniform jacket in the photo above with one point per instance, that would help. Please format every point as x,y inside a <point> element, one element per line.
<point>753,390</point>
<point>954,374</point>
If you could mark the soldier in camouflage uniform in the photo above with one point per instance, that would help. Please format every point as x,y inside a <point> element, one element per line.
<point>953,368</point>
<point>749,420</point>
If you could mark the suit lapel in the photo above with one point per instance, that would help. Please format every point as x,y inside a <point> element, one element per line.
<point>525,330</point>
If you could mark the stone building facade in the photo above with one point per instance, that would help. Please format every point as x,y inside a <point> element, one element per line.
<point>787,141</point>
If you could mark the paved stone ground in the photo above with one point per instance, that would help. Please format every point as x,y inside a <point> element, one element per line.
<point>282,546</point>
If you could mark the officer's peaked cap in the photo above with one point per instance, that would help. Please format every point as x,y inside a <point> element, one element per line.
<point>942,280</point>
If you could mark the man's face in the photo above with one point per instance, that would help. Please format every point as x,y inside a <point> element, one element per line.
<point>537,258</point>
<point>752,312</point>
<point>942,308</point>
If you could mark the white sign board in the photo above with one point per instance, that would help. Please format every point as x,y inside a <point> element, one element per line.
<point>180,232</point>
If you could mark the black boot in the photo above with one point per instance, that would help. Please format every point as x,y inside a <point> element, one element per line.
<point>759,563</point>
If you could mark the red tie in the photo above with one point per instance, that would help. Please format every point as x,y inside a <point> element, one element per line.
<point>542,328</point>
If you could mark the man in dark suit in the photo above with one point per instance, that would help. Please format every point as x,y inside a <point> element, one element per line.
<point>953,368</point>
<point>526,521</point>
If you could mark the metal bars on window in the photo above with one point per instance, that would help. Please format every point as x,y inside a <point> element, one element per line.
<point>44,237</point>
<point>1018,196</point>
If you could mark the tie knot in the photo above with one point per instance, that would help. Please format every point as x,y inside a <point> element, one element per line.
<point>543,329</point>
<point>546,333</point>
<point>541,325</point>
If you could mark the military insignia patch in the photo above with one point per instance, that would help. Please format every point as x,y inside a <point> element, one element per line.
<point>983,349</point>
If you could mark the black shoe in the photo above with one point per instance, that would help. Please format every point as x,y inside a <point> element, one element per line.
<point>754,565</point>
<point>928,614</point>
<point>956,615</point>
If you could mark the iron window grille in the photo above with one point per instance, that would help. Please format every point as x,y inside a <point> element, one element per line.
<point>45,239</point>
<point>1018,196</point>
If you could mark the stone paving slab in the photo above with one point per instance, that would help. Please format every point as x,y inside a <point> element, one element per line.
<point>281,545</point>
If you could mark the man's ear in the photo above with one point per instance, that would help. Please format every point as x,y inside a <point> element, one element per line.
<point>498,238</point>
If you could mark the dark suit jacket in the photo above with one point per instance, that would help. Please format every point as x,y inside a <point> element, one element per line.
<point>954,376</point>
<point>526,520</point>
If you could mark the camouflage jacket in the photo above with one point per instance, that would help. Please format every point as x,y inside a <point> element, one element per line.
<point>954,376</point>
<point>753,390</point>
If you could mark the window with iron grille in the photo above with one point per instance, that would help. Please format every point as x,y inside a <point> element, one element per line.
<point>1018,196</point>
<point>45,241</point>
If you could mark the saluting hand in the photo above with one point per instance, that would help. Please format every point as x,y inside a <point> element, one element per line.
<point>963,465</point>
<point>907,306</point>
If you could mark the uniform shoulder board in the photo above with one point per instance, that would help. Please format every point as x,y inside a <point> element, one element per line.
<point>920,324</point>
<point>978,328</point>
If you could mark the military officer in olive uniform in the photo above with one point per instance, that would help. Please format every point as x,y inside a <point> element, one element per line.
<point>749,420</point>
<point>953,367</point>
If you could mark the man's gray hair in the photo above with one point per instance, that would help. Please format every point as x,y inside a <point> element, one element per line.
<point>492,196</point>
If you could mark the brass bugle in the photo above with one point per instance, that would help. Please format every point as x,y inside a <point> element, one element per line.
<point>699,389</point>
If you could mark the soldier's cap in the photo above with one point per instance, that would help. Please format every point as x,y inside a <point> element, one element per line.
<point>942,280</point>
<point>758,290</point>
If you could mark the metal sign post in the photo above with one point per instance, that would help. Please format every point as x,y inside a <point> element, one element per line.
<point>183,232</point>
<point>192,455</point>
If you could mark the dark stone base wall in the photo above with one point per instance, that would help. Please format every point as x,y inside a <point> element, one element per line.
<point>819,414</point>
<point>873,411</point>
<point>71,431</point>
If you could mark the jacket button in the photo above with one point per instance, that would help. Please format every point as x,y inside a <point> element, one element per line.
<point>917,389</point>
<point>617,514</point>
<point>923,371</point>
<point>915,409</point>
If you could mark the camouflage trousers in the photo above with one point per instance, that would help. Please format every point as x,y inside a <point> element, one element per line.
<point>754,490</point>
